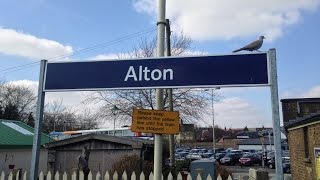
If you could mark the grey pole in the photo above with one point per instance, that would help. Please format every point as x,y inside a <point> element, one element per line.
<point>114,126</point>
<point>213,135</point>
<point>171,136</point>
<point>275,113</point>
<point>38,125</point>
<point>269,141</point>
<point>157,166</point>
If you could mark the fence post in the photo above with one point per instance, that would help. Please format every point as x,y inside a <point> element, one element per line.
<point>57,176</point>
<point>89,176</point>
<point>189,177</point>
<point>2,175</point>
<point>219,177</point>
<point>115,175</point>
<point>98,176</point>
<point>133,176</point>
<point>65,176</point>
<point>142,177</point>
<point>25,175</point>
<point>151,176</point>
<point>49,176</point>
<point>41,176</point>
<point>74,175</point>
<point>124,175</point>
<point>209,177</point>
<point>107,176</point>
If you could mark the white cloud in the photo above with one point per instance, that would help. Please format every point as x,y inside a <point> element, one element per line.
<point>138,54</point>
<point>104,57</point>
<point>27,83</point>
<point>313,92</point>
<point>112,56</point>
<point>236,112</point>
<point>17,43</point>
<point>216,20</point>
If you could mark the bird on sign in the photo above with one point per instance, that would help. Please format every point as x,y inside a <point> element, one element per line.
<point>254,46</point>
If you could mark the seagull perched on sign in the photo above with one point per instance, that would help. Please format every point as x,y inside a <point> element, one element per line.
<point>255,45</point>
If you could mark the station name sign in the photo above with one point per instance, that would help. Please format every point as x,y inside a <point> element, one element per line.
<point>155,121</point>
<point>170,72</point>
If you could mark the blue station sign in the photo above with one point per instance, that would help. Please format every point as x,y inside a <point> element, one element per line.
<point>169,72</point>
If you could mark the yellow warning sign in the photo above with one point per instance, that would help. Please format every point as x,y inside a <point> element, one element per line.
<point>155,121</point>
<point>317,156</point>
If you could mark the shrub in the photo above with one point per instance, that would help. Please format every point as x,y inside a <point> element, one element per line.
<point>223,171</point>
<point>131,164</point>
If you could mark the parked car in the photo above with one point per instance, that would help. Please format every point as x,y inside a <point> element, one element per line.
<point>218,156</point>
<point>249,151</point>
<point>218,150</point>
<point>230,159</point>
<point>194,156</point>
<point>285,165</point>
<point>181,155</point>
<point>207,155</point>
<point>250,159</point>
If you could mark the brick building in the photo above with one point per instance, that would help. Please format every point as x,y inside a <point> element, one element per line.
<point>302,124</point>
<point>304,137</point>
<point>300,107</point>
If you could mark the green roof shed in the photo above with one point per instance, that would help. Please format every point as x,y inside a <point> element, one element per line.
<point>18,135</point>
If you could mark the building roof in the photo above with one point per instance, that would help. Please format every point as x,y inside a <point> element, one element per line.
<point>135,142</point>
<point>255,141</point>
<point>247,134</point>
<point>301,99</point>
<point>17,135</point>
<point>311,118</point>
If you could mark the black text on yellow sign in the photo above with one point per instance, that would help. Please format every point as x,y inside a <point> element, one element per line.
<point>155,121</point>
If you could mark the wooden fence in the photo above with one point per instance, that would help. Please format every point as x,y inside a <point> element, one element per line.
<point>98,176</point>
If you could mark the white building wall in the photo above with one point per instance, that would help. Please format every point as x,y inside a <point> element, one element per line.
<point>255,147</point>
<point>21,158</point>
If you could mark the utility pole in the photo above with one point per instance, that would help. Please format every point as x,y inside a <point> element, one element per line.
<point>171,136</point>
<point>158,144</point>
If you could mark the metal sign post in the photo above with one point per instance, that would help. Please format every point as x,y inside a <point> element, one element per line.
<point>36,146</point>
<point>275,113</point>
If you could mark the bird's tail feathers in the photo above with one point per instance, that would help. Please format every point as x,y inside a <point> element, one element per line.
<point>237,50</point>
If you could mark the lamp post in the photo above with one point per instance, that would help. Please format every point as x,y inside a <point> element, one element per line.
<point>213,124</point>
<point>213,135</point>
<point>114,110</point>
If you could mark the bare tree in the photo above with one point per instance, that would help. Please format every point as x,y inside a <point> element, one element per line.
<point>16,101</point>
<point>189,103</point>
<point>57,117</point>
